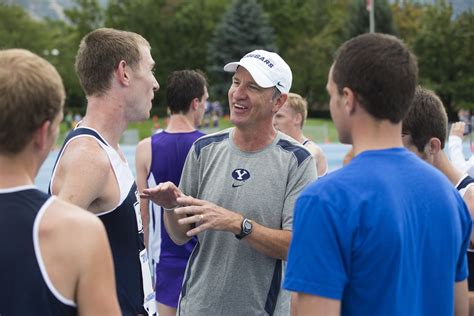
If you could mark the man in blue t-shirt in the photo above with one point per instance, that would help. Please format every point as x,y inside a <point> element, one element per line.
<point>387,234</point>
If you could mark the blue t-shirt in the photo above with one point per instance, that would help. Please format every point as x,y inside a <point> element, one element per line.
<point>385,235</point>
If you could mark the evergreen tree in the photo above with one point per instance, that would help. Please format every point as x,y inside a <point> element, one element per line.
<point>244,27</point>
<point>359,18</point>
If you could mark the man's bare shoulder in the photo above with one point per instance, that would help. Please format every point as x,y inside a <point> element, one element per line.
<point>314,149</point>
<point>143,154</point>
<point>83,160</point>
<point>146,142</point>
<point>69,238</point>
<point>73,218</point>
<point>85,151</point>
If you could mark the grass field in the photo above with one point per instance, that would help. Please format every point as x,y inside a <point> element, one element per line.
<point>318,130</point>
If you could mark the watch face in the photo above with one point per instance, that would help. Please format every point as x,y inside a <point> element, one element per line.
<point>247,226</point>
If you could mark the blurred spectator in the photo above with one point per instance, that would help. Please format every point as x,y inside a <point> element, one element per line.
<point>455,149</point>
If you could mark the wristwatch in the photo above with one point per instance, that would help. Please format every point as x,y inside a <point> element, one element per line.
<point>245,228</point>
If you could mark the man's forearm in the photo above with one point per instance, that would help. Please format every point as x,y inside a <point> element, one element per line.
<point>271,242</point>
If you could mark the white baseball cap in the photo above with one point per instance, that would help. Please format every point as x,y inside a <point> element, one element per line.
<point>267,69</point>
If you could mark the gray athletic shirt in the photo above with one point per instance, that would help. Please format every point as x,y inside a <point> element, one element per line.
<point>225,276</point>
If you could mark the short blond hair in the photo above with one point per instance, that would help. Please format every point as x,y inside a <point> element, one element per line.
<point>31,93</point>
<point>299,105</point>
<point>100,53</point>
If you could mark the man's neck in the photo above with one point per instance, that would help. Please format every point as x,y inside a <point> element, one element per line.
<point>375,134</point>
<point>106,116</point>
<point>298,136</point>
<point>180,123</point>
<point>17,170</point>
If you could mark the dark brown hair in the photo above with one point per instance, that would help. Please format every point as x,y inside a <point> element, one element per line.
<point>381,71</point>
<point>426,118</point>
<point>184,86</point>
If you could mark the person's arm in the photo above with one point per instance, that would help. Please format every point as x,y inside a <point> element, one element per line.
<point>142,167</point>
<point>82,174</point>
<point>322,163</point>
<point>166,194</point>
<point>307,304</point>
<point>76,254</point>
<point>455,146</point>
<point>206,215</point>
<point>96,291</point>
<point>461,300</point>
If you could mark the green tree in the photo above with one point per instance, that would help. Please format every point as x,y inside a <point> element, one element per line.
<point>308,32</point>
<point>312,57</point>
<point>244,27</point>
<point>359,18</point>
<point>444,47</point>
<point>407,18</point>
<point>19,30</point>
<point>178,32</point>
<point>87,15</point>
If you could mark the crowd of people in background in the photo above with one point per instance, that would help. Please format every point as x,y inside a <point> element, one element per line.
<point>243,221</point>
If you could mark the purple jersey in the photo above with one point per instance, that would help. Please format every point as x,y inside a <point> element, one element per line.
<point>169,152</point>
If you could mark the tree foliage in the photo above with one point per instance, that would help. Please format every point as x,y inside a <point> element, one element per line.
<point>178,32</point>
<point>244,28</point>
<point>206,34</point>
<point>444,47</point>
<point>359,21</point>
<point>19,30</point>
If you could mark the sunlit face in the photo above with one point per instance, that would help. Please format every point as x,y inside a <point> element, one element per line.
<point>286,120</point>
<point>144,86</point>
<point>337,111</point>
<point>201,108</point>
<point>250,104</point>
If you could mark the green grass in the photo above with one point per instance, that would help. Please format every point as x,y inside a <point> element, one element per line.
<point>318,130</point>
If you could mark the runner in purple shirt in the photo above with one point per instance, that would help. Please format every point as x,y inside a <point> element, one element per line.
<point>160,158</point>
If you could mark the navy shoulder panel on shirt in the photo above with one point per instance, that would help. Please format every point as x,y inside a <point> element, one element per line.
<point>207,140</point>
<point>300,153</point>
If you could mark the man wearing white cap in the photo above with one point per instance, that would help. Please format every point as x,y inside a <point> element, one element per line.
<point>237,193</point>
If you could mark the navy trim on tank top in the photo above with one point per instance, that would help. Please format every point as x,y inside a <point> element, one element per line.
<point>465,182</point>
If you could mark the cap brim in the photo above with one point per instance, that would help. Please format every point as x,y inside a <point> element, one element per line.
<point>254,71</point>
<point>231,67</point>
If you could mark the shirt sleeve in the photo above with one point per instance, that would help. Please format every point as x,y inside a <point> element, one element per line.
<point>189,182</point>
<point>319,255</point>
<point>456,154</point>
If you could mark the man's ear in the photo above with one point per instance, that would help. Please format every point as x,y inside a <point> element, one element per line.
<point>280,100</point>
<point>349,100</point>
<point>195,104</point>
<point>298,119</point>
<point>40,136</point>
<point>434,146</point>
<point>122,73</point>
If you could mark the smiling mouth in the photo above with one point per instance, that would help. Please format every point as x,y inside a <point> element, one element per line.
<point>240,107</point>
